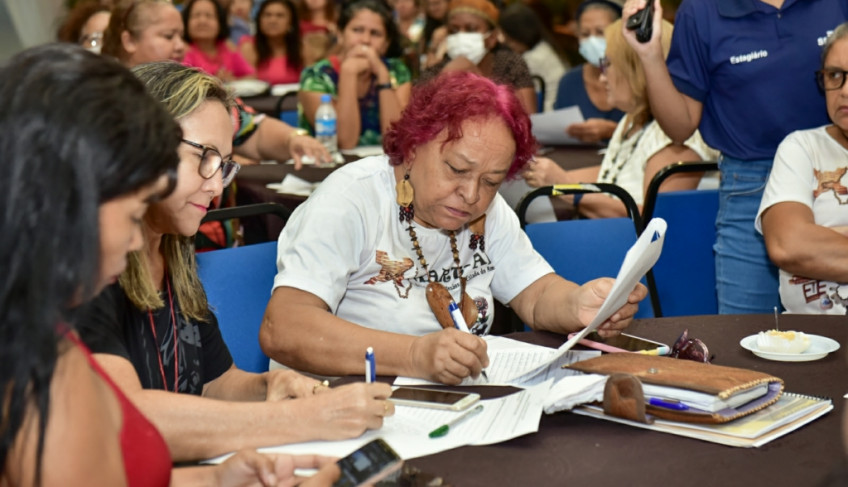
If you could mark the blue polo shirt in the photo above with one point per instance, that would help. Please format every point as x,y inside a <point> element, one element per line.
<point>752,66</point>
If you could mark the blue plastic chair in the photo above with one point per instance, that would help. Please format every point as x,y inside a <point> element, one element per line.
<point>286,109</point>
<point>685,272</point>
<point>238,284</point>
<point>582,250</point>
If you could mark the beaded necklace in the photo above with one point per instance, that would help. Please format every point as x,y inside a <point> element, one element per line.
<point>618,162</point>
<point>438,296</point>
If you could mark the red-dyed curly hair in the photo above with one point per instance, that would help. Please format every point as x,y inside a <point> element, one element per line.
<point>448,100</point>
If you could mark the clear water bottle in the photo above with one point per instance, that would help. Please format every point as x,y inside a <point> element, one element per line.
<point>325,124</point>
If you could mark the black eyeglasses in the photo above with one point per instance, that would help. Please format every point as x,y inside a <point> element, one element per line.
<point>91,40</point>
<point>690,349</point>
<point>831,78</point>
<point>211,160</point>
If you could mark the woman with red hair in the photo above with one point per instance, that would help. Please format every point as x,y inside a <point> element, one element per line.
<point>377,253</point>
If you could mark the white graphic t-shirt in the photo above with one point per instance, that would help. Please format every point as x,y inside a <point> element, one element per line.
<point>347,245</point>
<point>810,168</point>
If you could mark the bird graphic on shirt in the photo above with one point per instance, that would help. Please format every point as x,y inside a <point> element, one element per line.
<point>390,270</point>
<point>829,181</point>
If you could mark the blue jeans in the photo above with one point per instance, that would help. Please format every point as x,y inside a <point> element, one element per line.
<point>746,280</point>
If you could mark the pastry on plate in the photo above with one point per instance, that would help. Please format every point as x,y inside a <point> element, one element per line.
<point>782,341</point>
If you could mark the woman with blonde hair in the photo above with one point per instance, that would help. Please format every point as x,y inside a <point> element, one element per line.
<point>638,149</point>
<point>153,330</point>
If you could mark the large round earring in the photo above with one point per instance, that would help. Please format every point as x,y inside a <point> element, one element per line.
<point>405,194</point>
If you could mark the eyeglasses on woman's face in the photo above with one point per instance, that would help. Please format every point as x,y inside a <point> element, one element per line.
<point>91,41</point>
<point>211,160</point>
<point>831,78</point>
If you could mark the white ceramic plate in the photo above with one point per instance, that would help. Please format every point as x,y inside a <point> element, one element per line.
<point>248,87</point>
<point>819,348</point>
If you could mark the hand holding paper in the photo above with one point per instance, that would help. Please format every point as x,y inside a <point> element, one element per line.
<point>639,259</point>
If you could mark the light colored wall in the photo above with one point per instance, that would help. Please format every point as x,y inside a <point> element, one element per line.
<point>27,23</point>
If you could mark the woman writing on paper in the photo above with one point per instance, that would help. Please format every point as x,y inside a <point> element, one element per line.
<point>358,259</point>
<point>153,332</point>
<point>638,149</point>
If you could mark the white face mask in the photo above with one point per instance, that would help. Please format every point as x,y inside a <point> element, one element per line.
<point>592,49</point>
<point>467,44</point>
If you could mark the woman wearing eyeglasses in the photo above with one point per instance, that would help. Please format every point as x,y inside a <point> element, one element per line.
<point>745,93</point>
<point>153,331</point>
<point>802,215</point>
<point>639,147</point>
<point>85,24</point>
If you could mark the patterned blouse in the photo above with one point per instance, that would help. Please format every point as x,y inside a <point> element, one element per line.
<point>323,77</point>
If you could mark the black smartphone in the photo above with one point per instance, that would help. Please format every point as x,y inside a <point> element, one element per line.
<point>643,22</point>
<point>373,462</point>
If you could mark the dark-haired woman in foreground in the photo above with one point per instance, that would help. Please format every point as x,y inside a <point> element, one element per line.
<point>86,151</point>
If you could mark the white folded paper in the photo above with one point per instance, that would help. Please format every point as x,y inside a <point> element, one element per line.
<point>292,184</point>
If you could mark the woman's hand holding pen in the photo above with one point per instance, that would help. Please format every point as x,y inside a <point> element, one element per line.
<point>448,356</point>
<point>347,411</point>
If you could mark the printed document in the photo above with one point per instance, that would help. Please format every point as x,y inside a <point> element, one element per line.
<point>407,431</point>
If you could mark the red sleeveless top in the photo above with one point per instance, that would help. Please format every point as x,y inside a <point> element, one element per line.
<point>147,460</point>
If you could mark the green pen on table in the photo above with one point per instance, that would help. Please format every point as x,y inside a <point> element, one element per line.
<point>445,428</point>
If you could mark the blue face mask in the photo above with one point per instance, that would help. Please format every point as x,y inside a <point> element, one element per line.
<point>592,49</point>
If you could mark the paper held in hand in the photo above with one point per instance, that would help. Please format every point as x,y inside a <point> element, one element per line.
<point>638,260</point>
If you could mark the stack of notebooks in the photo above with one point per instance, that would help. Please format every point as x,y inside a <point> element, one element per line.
<point>726,405</point>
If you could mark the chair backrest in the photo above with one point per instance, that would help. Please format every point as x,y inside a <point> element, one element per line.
<point>685,272</point>
<point>286,109</point>
<point>238,285</point>
<point>539,86</point>
<point>245,211</point>
<point>582,250</point>
<point>253,219</point>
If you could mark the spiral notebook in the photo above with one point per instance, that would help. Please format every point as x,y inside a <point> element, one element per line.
<point>789,413</point>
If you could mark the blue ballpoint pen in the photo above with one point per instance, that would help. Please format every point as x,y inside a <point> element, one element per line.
<point>370,366</point>
<point>668,404</point>
<point>459,324</point>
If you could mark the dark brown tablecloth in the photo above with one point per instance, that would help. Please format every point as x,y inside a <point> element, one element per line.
<point>572,450</point>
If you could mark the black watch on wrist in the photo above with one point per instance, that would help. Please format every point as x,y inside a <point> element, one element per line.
<point>384,86</point>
